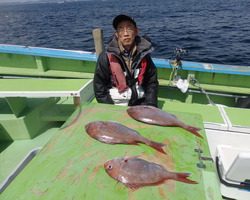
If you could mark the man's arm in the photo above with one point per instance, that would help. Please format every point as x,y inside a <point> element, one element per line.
<point>151,83</point>
<point>102,80</point>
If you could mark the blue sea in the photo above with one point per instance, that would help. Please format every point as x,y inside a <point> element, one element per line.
<point>215,31</point>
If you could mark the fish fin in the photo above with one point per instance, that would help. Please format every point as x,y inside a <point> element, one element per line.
<point>157,146</point>
<point>126,158</point>
<point>174,116</point>
<point>117,182</point>
<point>132,186</point>
<point>182,177</point>
<point>194,130</point>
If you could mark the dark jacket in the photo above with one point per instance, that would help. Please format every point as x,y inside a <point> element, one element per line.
<point>102,77</point>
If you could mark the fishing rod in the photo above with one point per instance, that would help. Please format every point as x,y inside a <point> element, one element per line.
<point>176,63</point>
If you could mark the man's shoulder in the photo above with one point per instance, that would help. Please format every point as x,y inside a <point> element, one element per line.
<point>102,55</point>
<point>144,44</point>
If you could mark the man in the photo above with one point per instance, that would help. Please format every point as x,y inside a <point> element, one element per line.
<point>125,74</point>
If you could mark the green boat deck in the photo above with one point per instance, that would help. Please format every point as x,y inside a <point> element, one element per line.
<point>214,116</point>
<point>44,88</point>
<point>29,105</point>
<point>13,152</point>
<point>70,166</point>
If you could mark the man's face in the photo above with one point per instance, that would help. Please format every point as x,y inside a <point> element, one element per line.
<point>126,33</point>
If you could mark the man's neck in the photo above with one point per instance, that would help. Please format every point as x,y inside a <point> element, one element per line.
<point>126,49</point>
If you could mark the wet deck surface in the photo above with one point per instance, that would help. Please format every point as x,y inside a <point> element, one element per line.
<point>71,165</point>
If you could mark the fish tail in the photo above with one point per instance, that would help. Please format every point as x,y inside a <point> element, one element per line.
<point>183,177</point>
<point>157,146</point>
<point>194,130</point>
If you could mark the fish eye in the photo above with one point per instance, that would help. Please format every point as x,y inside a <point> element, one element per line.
<point>110,167</point>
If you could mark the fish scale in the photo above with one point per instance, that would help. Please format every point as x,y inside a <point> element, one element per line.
<point>155,116</point>
<point>116,133</point>
<point>134,172</point>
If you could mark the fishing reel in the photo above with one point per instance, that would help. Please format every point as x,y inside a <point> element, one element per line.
<point>178,53</point>
<point>176,64</point>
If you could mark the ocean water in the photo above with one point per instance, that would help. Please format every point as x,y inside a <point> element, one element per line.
<point>215,31</point>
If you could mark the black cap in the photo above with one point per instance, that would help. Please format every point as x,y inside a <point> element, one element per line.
<point>120,18</point>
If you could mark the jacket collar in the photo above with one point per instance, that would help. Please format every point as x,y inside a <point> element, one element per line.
<point>142,46</point>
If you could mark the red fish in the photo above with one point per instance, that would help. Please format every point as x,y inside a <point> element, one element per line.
<point>152,115</point>
<point>135,173</point>
<point>115,133</point>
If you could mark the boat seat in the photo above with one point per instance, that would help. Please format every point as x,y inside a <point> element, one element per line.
<point>223,89</point>
<point>218,89</point>
<point>79,89</point>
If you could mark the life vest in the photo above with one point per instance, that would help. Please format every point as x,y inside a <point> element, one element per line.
<point>118,76</point>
